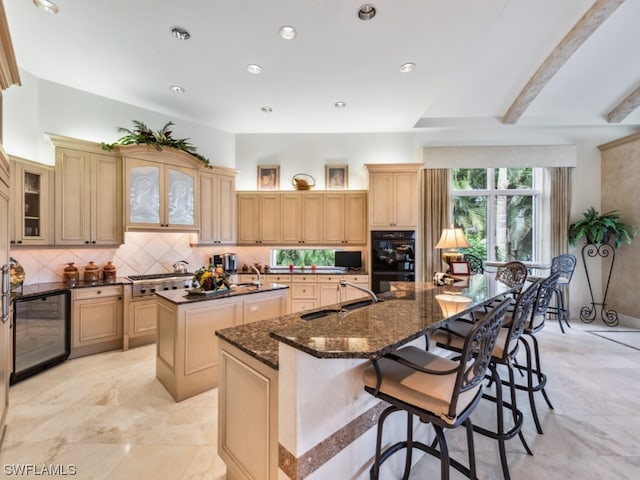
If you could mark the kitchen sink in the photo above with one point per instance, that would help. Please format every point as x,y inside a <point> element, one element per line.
<point>358,304</point>
<point>319,314</point>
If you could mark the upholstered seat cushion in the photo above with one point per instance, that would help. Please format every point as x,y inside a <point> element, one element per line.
<point>426,391</point>
<point>453,335</point>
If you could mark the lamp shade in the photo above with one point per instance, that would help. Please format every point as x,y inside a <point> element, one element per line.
<point>452,304</point>
<point>452,238</point>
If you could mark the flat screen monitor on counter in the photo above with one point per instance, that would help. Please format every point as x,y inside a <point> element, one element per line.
<point>348,259</point>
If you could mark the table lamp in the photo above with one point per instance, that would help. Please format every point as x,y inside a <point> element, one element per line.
<point>451,239</point>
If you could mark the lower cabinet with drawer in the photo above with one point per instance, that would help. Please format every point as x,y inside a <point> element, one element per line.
<point>96,320</point>
<point>140,320</point>
<point>314,290</point>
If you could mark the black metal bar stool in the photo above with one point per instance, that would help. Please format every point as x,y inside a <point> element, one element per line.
<point>436,390</point>
<point>533,365</point>
<point>452,338</point>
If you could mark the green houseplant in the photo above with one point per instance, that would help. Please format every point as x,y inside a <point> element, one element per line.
<point>597,228</point>
<point>141,134</point>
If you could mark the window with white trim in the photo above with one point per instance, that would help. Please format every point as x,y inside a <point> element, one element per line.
<point>499,210</point>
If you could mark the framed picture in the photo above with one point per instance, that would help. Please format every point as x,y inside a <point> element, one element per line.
<point>268,177</point>
<point>460,268</point>
<point>336,177</point>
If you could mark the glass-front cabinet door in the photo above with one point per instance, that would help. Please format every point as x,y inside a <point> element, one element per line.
<point>160,196</point>
<point>144,194</point>
<point>31,223</point>
<point>181,207</point>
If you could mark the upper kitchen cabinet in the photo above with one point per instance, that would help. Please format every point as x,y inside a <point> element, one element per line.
<point>259,218</point>
<point>302,218</point>
<point>88,194</point>
<point>346,218</point>
<point>161,188</point>
<point>217,206</point>
<point>32,203</point>
<point>393,195</point>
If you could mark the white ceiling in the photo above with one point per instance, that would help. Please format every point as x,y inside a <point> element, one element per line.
<point>472,59</point>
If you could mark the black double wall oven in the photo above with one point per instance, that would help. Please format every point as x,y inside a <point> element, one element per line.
<point>392,258</point>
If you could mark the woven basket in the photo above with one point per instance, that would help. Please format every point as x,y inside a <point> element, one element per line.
<point>302,181</point>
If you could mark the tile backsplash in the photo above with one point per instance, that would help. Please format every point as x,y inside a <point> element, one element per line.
<point>141,253</point>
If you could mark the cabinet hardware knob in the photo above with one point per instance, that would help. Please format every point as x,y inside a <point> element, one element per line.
<point>86,241</point>
<point>93,241</point>
<point>19,241</point>
<point>99,292</point>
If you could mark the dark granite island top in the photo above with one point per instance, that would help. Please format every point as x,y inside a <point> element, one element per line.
<point>181,297</point>
<point>405,314</point>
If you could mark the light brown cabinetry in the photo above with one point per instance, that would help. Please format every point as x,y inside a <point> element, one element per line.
<point>345,218</point>
<point>258,218</point>
<point>217,207</point>
<point>309,218</point>
<point>393,195</point>
<point>247,385</point>
<point>6,340</point>
<point>188,352</point>
<point>88,193</point>
<point>96,320</point>
<point>313,290</point>
<point>329,288</point>
<point>140,319</point>
<point>32,200</point>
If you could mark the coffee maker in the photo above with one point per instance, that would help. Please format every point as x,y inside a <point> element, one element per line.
<point>217,261</point>
<point>230,262</point>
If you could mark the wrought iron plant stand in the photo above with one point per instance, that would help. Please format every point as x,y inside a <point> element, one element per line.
<point>588,313</point>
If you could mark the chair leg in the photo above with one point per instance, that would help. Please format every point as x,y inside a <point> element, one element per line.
<point>374,472</point>
<point>562,315</point>
<point>471,449</point>
<point>530,386</point>
<point>407,458</point>
<point>514,409</point>
<point>500,417</point>
<point>444,453</point>
<point>542,379</point>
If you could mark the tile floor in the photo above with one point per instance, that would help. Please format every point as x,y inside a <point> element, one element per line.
<point>108,416</point>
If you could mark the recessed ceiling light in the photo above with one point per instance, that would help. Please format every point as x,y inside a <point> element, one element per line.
<point>367,12</point>
<point>47,6</point>
<point>253,68</point>
<point>176,89</point>
<point>180,33</point>
<point>267,109</point>
<point>407,67</point>
<point>340,104</point>
<point>288,32</point>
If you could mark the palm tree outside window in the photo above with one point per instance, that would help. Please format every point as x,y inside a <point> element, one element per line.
<point>498,210</point>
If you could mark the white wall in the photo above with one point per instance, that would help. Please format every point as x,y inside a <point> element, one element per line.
<point>39,107</point>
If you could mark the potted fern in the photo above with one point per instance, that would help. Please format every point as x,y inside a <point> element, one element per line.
<point>598,228</point>
<point>141,134</point>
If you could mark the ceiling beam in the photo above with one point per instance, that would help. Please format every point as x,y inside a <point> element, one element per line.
<point>625,107</point>
<point>582,30</point>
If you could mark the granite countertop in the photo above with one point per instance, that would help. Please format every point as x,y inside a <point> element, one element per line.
<point>407,313</point>
<point>182,297</point>
<point>51,287</point>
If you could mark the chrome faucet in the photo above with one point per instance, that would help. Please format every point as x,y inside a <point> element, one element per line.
<point>344,283</point>
<point>259,281</point>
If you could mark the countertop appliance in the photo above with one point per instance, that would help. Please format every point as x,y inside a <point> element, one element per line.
<point>147,285</point>
<point>230,262</point>
<point>41,333</point>
<point>349,260</point>
<point>217,261</point>
<point>392,258</point>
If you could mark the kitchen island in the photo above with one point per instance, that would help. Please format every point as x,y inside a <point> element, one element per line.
<point>187,347</point>
<point>291,398</point>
